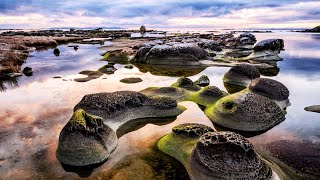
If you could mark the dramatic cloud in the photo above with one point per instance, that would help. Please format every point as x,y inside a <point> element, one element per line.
<point>159,14</point>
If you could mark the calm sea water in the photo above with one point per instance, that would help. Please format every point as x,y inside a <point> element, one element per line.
<point>34,109</point>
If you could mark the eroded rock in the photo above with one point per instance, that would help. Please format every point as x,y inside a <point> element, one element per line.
<point>85,140</point>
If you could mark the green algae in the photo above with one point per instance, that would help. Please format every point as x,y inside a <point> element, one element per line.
<point>82,120</point>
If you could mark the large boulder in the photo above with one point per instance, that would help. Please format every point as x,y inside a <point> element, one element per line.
<point>246,111</point>
<point>226,155</point>
<point>177,54</point>
<point>85,140</point>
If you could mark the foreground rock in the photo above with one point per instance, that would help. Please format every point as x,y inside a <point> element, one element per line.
<point>314,108</point>
<point>85,140</point>
<point>90,135</point>
<point>177,54</point>
<point>214,155</point>
<point>226,155</point>
<point>239,77</point>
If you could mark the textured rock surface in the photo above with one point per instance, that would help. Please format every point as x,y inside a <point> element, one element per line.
<point>269,88</point>
<point>202,81</point>
<point>226,155</point>
<point>178,53</point>
<point>191,129</point>
<point>85,140</point>
<point>241,75</point>
<point>120,107</point>
<point>246,111</point>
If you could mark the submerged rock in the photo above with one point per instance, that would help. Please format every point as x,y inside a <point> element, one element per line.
<point>314,108</point>
<point>240,75</point>
<point>202,81</point>
<point>226,155</point>
<point>107,69</point>
<point>246,112</point>
<point>85,140</point>
<point>178,54</point>
<point>128,66</point>
<point>120,107</point>
<point>131,80</point>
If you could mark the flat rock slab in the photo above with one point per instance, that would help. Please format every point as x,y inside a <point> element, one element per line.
<point>131,80</point>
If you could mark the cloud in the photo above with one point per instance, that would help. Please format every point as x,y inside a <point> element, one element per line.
<point>167,13</point>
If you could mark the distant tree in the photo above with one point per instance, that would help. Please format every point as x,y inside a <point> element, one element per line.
<point>143,29</point>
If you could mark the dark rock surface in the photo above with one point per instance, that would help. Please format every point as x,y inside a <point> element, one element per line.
<point>269,88</point>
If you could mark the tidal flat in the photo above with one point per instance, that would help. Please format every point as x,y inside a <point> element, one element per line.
<point>35,108</point>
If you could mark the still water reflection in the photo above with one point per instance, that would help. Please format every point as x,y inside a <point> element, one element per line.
<point>34,109</point>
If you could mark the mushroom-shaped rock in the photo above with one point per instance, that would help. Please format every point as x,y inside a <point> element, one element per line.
<point>226,155</point>
<point>119,107</point>
<point>269,88</point>
<point>85,140</point>
<point>177,54</point>
<point>246,111</point>
<point>240,75</point>
<point>202,81</point>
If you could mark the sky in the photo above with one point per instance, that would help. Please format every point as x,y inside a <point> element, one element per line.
<point>160,14</point>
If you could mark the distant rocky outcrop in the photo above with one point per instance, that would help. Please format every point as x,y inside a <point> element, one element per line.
<point>316,29</point>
